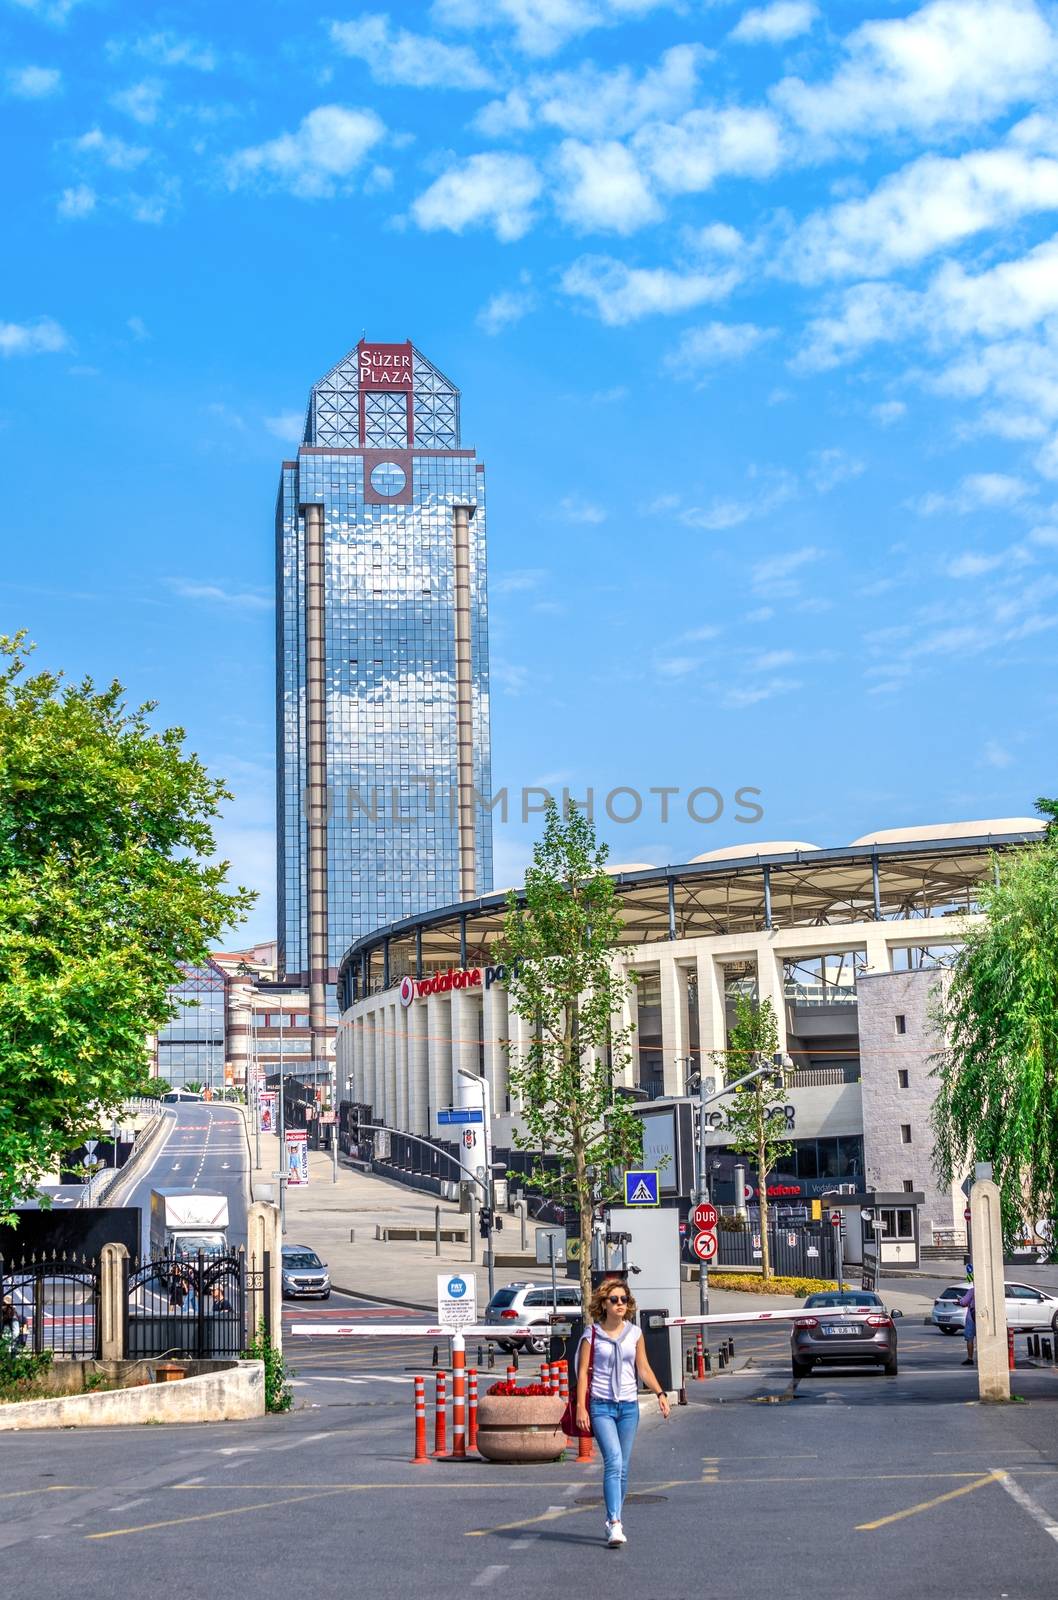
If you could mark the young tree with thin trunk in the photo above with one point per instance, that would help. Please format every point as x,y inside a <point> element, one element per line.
<point>559,948</point>
<point>997,1015</point>
<point>108,890</point>
<point>755,1115</point>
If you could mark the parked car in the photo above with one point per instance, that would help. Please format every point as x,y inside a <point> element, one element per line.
<point>530,1303</point>
<point>305,1276</point>
<point>1028,1307</point>
<point>864,1335</point>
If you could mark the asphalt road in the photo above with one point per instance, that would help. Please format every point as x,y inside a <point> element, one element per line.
<point>205,1148</point>
<point>847,1487</point>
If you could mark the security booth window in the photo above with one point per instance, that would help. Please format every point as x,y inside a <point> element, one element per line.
<point>897,1222</point>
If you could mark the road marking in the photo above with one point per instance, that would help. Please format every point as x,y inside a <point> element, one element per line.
<point>295,1444</point>
<point>211,1516</point>
<point>45,1488</point>
<point>927,1505</point>
<point>1026,1502</point>
<point>489,1575</point>
<point>552,1514</point>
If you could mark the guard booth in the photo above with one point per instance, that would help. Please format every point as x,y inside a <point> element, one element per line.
<point>889,1225</point>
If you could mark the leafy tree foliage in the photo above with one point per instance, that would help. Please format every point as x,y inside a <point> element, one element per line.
<point>559,949</point>
<point>997,1099</point>
<point>106,890</point>
<point>755,1115</point>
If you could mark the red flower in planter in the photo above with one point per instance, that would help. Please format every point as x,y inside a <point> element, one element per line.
<point>507,1386</point>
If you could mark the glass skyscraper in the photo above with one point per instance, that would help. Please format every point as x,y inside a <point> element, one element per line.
<point>382,661</point>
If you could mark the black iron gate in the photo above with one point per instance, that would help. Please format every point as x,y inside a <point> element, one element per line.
<point>192,1307</point>
<point>51,1302</point>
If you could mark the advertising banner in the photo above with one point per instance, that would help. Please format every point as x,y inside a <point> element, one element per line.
<point>267,1098</point>
<point>297,1156</point>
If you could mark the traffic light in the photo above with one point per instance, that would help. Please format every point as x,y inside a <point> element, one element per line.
<point>485,1221</point>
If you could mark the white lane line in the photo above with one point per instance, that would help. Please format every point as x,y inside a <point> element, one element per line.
<point>336,1380</point>
<point>1026,1502</point>
<point>295,1444</point>
<point>489,1575</point>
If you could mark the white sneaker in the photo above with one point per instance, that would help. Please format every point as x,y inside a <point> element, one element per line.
<point>616,1534</point>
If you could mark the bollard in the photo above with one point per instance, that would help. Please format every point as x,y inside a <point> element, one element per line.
<point>584,1448</point>
<point>514,1358</point>
<point>512,1374</point>
<point>459,1401</point>
<point>721,1359</point>
<point>472,1408</point>
<point>708,1362</point>
<point>700,1351</point>
<point>689,1363</point>
<point>420,1422</point>
<point>731,1349</point>
<point>481,1355</point>
<point>563,1380</point>
<point>545,1375</point>
<point>439,1445</point>
<point>1045,1346</point>
<point>492,1358</point>
<point>433,1363</point>
<point>1010,1348</point>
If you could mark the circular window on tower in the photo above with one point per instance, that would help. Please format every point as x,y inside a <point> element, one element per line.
<point>388,478</point>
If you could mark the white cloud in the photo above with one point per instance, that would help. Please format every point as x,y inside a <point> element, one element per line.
<point>220,595</point>
<point>140,101</point>
<point>722,513</point>
<point>55,11</point>
<point>994,755</point>
<point>979,491</point>
<point>689,155</point>
<point>138,328</point>
<point>740,699</point>
<point>828,468</point>
<point>774,24</point>
<point>507,306</point>
<point>492,189</point>
<point>510,677</point>
<point>973,565</point>
<point>708,346</point>
<point>888,411</point>
<point>776,572</point>
<point>543,26</point>
<point>575,509</point>
<point>317,159</point>
<point>288,426</point>
<point>166,49</point>
<point>395,55</point>
<point>113,152</point>
<point>932,203</point>
<point>952,63</point>
<point>33,83</point>
<point>591,103</point>
<point>601,187</point>
<point>620,294</point>
<point>519,581</point>
<point>43,337</point>
<point>80,201</point>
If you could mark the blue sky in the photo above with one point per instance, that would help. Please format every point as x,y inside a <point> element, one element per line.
<point>755,314</point>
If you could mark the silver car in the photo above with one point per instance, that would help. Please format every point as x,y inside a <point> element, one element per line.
<point>947,1314</point>
<point>1027,1307</point>
<point>305,1276</point>
<point>521,1303</point>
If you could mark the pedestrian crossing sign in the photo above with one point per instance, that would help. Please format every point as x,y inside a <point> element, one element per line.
<point>641,1188</point>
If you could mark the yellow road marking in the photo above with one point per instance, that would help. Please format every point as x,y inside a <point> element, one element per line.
<point>927,1505</point>
<point>44,1488</point>
<point>210,1516</point>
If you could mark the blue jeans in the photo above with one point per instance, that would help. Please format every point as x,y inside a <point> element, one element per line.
<point>614,1423</point>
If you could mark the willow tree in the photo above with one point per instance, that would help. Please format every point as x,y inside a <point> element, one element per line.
<point>997,1014</point>
<point>107,890</point>
<point>755,1115</point>
<point>559,946</point>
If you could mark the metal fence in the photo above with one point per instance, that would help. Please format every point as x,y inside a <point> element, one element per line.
<point>51,1302</point>
<point>194,1307</point>
<point>799,1252</point>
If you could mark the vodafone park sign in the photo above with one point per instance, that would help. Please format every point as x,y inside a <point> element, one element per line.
<point>455,978</point>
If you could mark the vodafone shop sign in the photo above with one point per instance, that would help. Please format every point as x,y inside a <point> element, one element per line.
<point>455,978</point>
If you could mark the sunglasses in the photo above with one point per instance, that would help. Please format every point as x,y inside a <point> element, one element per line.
<point>617,1299</point>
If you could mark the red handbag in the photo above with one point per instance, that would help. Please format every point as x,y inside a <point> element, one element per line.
<point>569,1416</point>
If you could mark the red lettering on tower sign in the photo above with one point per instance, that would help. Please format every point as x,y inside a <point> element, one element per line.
<point>385,366</point>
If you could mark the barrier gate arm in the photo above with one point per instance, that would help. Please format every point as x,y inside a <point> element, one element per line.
<point>416,1330</point>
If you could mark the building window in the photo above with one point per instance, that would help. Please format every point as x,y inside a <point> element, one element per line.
<point>909,1185</point>
<point>905,1133</point>
<point>902,1077</point>
<point>901,1022</point>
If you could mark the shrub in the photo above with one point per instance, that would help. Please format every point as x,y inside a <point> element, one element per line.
<point>508,1386</point>
<point>19,1370</point>
<point>278,1394</point>
<point>750,1283</point>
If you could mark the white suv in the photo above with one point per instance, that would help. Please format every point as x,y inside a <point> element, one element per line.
<point>532,1303</point>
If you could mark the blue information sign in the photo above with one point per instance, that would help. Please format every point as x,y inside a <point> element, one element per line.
<point>458,1114</point>
<point>641,1188</point>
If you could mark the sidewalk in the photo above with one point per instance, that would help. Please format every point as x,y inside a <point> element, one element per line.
<point>324,1213</point>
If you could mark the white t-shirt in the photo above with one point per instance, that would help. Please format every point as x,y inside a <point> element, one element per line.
<point>614,1373</point>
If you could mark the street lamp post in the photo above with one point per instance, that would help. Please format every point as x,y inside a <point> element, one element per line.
<point>486,1183</point>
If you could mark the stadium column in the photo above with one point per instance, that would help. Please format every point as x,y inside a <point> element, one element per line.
<point>439,1025</point>
<point>675,1025</point>
<point>418,1069</point>
<point>712,1021</point>
<point>494,1020</point>
<point>770,985</point>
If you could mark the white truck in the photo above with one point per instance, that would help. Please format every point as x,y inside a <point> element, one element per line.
<point>186,1223</point>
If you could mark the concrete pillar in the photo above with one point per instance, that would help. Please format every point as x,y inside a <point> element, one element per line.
<point>398,1016</point>
<point>770,986</point>
<point>263,1238</point>
<point>494,1017</point>
<point>418,1069</point>
<point>464,687</point>
<point>439,1026</point>
<point>712,1022</point>
<point>675,1026</point>
<point>316,807</point>
<point>465,1054</point>
<point>387,1021</point>
<point>112,1260</point>
<point>990,1313</point>
<point>521,1033</point>
<point>878,957</point>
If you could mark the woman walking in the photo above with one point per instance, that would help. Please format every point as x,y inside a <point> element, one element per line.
<point>611,1359</point>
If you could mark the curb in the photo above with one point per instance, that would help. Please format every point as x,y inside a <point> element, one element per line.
<point>377,1299</point>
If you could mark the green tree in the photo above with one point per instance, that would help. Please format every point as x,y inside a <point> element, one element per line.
<point>997,1016</point>
<point>106,889</point>
<point>755,1115</point>
<point>564,981</point>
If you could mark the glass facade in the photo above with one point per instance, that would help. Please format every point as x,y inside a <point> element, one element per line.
<point>191,1045</point>
<point>381,454</point>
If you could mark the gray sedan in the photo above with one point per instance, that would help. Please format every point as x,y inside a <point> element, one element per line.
<point>859,1332</point>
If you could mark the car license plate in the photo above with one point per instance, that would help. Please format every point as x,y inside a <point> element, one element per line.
<point>839,1328</point>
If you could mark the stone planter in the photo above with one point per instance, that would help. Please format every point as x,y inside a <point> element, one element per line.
<point>520,1428</point>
